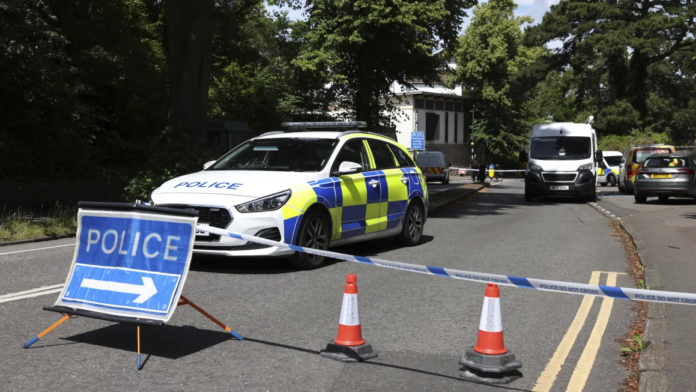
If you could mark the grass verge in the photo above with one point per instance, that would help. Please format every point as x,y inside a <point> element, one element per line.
<point>19,224</point>
<point>632,342</point>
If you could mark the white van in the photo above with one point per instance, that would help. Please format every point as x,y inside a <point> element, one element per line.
<point>433,165</point>
<point>608,170</point>
<point>562,160</point>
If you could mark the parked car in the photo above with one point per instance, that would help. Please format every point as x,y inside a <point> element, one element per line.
<point>665,176</point>
<point>434,166</point>
<point>632,161</point>
<point>608,170</point>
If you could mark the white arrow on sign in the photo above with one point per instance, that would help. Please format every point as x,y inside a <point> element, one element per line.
<point>146,290</point>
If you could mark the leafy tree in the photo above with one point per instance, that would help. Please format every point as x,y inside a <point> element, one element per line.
<point>634,59</point>
<point>490,61</point>
<point>364,46</point>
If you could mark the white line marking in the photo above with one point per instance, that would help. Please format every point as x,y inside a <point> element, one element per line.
<point>31,295</point>
<point>57,286</point>
<point>31,250</point>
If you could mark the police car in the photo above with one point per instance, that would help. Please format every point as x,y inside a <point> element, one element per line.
<point>313,188</point>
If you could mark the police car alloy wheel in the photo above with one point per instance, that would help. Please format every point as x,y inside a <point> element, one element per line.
<point>412,231</point>
<point>314,233</point>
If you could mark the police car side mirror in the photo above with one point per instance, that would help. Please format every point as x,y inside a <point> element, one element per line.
<point>349,167</point>
<point>208,164</point>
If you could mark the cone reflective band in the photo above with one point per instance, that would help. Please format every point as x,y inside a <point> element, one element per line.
<point>349,331</point>
<point>490,337</point>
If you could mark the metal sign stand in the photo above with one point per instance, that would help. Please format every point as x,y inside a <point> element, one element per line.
<point>68,313</point>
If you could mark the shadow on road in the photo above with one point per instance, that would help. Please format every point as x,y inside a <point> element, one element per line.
<point>171,342</point>
<point>689,216</point>
<point>244,265</point>
<point>375,247</point>
<point>381,364</point>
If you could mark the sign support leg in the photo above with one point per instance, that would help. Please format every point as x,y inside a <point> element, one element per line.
<point>139,365</point>
<point>211,318</point>
<point>45,332</point>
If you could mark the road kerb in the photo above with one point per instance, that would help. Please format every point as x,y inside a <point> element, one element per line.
<point>39,239</point>
<point>651,363</point>
<point>437,207</point>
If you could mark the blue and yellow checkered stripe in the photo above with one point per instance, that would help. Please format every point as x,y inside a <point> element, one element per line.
<point>355,206</point>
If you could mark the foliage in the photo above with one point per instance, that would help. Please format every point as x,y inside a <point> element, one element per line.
<point>22,224</point>
<point>636,346</point>
<point>636,137</point>
<point>490,61</point>
<point>629,63</point>
<point>363,47</point>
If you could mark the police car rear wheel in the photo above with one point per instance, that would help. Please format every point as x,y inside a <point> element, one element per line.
<point>314,233</point>
<point>412,232</point>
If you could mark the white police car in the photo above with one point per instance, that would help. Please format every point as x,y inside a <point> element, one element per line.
<point>314,189</point>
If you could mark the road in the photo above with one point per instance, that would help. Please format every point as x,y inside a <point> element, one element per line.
<point>419,324</point>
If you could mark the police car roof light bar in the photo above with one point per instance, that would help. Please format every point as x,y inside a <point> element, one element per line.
<point>325,124</point>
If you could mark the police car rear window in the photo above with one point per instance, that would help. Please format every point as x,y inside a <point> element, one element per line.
<point>640,155</point>
<point>282,154</point>
<point>667,162</point>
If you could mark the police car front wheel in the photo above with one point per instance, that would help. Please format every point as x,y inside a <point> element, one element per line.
<point>412,231</point>
<point>314,233</point>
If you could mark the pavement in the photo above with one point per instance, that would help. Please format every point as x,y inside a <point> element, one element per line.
<point>419,324</point>
<point>665,231</point>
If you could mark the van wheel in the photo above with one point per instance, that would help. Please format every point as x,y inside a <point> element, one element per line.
<point>528,195</point>
<point>446,180</point>
<point>414,221</point>
<point>612,181</point>
<point>627,190</point>
<point>314,233</point>
<point>640,199</point>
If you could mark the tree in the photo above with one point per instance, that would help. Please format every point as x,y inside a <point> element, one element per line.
<point>633,51</point>
<point>189,42</point>
<point>364,46</point>
<point>490,60</point>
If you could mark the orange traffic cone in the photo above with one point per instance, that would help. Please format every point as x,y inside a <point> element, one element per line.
<point>489,361</point>
<point>349,346</point>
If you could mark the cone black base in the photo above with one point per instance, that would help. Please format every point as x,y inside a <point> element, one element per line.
<point>489,369</point>
<point>348,353</point>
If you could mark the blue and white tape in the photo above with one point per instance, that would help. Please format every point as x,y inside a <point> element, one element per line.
<point>487,169</point>
<point>503,280</point>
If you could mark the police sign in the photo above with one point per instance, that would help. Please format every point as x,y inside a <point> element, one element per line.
<point>129,263</point>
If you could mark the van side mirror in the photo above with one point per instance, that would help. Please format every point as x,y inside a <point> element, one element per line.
<point>523,156</point>
<point>599,156</point>
<point>208,164</point>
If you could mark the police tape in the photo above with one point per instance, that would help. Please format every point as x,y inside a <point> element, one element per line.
<point>487,169</point>
<point>503,280</point>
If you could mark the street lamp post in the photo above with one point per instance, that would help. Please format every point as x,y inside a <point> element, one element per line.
<point>473,120</point>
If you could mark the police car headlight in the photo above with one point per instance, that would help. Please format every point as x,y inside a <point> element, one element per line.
<point>535,167</point>
<point>585,167</point>
<point>268,203</point>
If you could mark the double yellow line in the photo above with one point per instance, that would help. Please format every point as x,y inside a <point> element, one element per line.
<point>584,365</point>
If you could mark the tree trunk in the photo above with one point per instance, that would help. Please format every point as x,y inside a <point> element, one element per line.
<point>363,97</point>
<point>639,75</point>
<point>189,42</point>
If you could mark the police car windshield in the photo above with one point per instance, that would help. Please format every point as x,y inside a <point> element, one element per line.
<point>281,154</point>
<point>613,161</point>
<point>561,148</point>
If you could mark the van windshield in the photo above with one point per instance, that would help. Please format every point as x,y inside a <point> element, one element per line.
<point>561,148</point>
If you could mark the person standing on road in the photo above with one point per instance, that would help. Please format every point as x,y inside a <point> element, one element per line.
<point>474,167</point>
<point>482,171</point>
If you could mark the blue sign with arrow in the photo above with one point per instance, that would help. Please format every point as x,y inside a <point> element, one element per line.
<point>417,140</point>
<point>129,264</point>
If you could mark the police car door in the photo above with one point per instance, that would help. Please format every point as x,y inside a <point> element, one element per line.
<point>394,198</point>
<point>358,190</point>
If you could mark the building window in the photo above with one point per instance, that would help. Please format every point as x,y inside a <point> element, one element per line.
<point>432,126</point>
<point>419,104</point>
<point>446,127</point>
<point>439,105</point>
<point>429,104</point>
<point>456,128</point>
<point>449,106</point>
<point>458,107</point>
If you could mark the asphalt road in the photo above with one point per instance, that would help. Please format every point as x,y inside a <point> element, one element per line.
<point>419,324</point>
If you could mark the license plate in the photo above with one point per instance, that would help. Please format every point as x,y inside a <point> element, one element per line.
<point>560,187</point>
<point>660,176</point>
<point>201,233</point>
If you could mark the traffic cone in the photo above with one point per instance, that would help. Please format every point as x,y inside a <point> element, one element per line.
<point>349,346</point>
<point>489,361</point>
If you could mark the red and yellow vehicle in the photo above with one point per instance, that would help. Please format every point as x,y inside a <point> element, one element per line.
<point>632,161</point>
